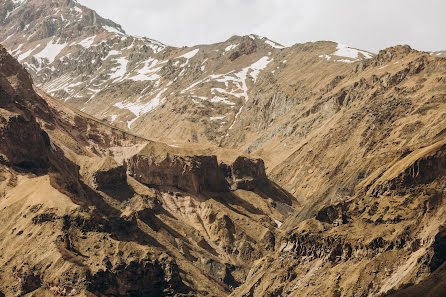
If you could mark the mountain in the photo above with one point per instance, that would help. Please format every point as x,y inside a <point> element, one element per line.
<point>88,209</point>
<point>349,197</point>
<point>136,83</point>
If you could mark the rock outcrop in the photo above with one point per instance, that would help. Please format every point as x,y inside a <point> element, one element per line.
<point>247,173</point>
<point>108,173</point>
<point>159,166</point>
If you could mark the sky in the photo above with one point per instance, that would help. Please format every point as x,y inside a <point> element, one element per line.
<point>366,24</point>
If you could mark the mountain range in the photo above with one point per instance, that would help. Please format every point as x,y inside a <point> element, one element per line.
<point>241,168</point>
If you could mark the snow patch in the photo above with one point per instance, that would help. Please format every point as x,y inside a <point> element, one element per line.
<point>343,50</point>
<point>217,118</point>
<point>278,223</point>
<point>259,66</point>
<point>223,100</point>
<point>78,10</point>
<point>19,1</point>
<point>120,70</point>
<point>25,55</point>
<point>138,108</point>
<point>190,54</point>
<point>51,51</point>
<point>231,47</point>
<point>111,29</point>
<point>273,44</point>
<point>87,42</point>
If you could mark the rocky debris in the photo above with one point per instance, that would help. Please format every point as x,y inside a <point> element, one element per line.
<point>330,139</point>
<point>44,217</point>
<point>105,232</point>
<point>220,271</point>
<point>438,249</point>
<point>247,47</point>
<point>417,168</point>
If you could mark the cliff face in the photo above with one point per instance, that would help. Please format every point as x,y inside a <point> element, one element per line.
<point>195,174</point>
<point>370,175</point>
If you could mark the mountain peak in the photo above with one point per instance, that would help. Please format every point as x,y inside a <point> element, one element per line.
<point>37,19</point>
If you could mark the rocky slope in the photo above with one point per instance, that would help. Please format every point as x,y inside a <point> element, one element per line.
<point>79,216</point>
<point>368,165</point>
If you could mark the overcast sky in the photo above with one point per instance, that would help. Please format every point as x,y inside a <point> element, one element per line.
<point>365,24</point>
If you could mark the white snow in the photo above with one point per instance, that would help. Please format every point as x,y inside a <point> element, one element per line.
<point>120,70</point>
<point>111,29</point>
<point>273,44</point>
<point>237,78</point>
<point>343,50</point>
<point>147,72</point>
<point>26,54</point>
<point>77,9</point>
<point>278,223</point>
<point>223,100</point>
<point>112,53</point>
<point>217,118</point>
<point>87,42</point>
<point>345,61</point>
<point>259,66</point>
<point>190,54</point>
<point>155,47</point>
<point>51,51</point>
<point>235,119</point>
<point>138,108</point>
<point>14,52</point>
<point>113,117</point>
<point>327,57</point>
<point>231,47</point>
